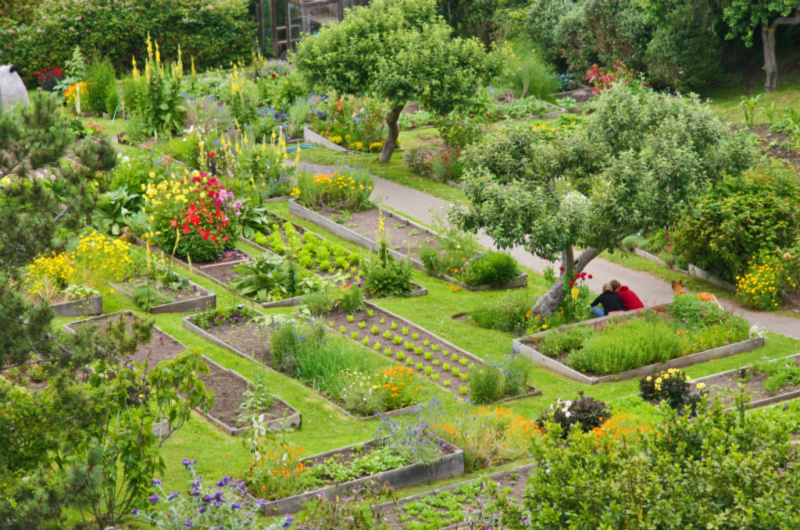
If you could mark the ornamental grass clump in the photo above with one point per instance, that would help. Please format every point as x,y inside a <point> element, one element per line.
<point>346,189</point>
<point>192,215</point>
<point>508,312</point>
<point>627,345</point>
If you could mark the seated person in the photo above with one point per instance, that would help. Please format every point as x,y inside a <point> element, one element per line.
<point>610,302</point>
<point>629,298</point>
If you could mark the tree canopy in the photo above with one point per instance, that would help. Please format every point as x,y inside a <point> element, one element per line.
<point>636,163</point>
<point>401,51</point>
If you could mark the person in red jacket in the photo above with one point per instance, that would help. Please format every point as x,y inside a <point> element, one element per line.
<point>629,298</point>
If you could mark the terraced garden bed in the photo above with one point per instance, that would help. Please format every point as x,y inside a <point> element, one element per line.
<point>637,343</point>
<point>450,462</point>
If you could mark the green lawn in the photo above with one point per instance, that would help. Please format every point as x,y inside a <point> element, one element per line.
<point>724,101</point>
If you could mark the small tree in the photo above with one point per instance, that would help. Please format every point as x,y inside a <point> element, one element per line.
<point>637,163</point>
<point>401,51</point>
<point>744,15</point>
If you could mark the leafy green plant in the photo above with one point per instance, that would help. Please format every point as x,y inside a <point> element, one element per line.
<point>559,342</point>
<point>351,300</point>
<point>266,278</point>
<point>486,385</point>
<point>100,79</point>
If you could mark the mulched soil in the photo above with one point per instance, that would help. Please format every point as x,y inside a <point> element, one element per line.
<point>725,387</point>
<point>403,238</point>
<point>515,481</point>
<point>222,269</point>
<point>229,392</point>
<point>161,347</point>
<point>339,318</point>
<point>777,145</point>
<point>246,336</point>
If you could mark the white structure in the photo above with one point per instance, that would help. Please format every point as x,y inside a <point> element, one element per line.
<point>12,89</point>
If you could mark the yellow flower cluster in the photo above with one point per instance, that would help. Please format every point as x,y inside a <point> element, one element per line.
<point>356,146</point>
<point>375,147</point>
<point>96,260</point>
<point>71,92</point>
<point>173,190</point>
<point>48,276</point>
<point>758,288</point>
<point>100,259</point>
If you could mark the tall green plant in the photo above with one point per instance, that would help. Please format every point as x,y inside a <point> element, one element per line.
<point>155,94</point>
<point>101,81</point>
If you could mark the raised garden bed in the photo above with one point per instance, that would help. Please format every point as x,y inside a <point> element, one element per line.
<point>162,347</point>
<point>446,508</point>
<point>79,308</point>
<point>227,385</point>
<point>416,290</point>
<point>449,464</point>
<point>193,298</point>
<point>229,388</point>
<point>245,337</point>
<point>406,237</point>
<point>423,357</point>
<point>726,384</point>
<point>528,346</point>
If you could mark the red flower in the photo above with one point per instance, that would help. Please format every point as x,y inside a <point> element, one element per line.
<point>211,155</point>
<point>590,276</point>
<point>571,284</point>
<point>174,223</point>
<point>185,229</point>
<point>561,268</point>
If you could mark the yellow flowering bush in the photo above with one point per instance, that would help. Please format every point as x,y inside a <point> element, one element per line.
<point>673,387</point>
<point>375,147</point>
<point>758,287</point>
<point>192,215</point>
<point>96,261</point>
<point>345,189</point>
<point>49,275</point>
<point>71,93</point>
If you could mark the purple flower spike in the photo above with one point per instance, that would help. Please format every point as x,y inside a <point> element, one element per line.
<point>172,495</point>
<point>235,506</point>
<point>288,522</point>
<point>188,523</point>
<point>202,509</point>
<point>261,502</point>
<point>188,463</point>
<point>153,498</point>
<point>134,512</point>
<point>156,481</point>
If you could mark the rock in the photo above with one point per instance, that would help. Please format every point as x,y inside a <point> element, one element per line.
<point>12,89</point>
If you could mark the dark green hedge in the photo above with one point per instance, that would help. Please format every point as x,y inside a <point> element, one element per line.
<point>214,32</point>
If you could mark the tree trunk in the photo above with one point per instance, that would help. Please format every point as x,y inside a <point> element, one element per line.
<point>548,303</point>
<point>394,132</point>
<point>768,40</point>
<point>770,64</point>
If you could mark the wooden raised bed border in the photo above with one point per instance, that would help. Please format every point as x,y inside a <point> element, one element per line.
<point>680,362</point>
<point>202,302</point>
<point>448,465</point>
<point>90,306</point>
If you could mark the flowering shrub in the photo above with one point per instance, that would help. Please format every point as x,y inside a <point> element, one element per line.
<point>758,287</point>
<point>193,216</point>
<point>585,412</point>
<point>352,122</point>
<point>602,79</point>
<point>671,386</point>
<point>347,189</point>
<point>96,261</point>
<point>445,165</point>
<point>71,93</point>
<point>222,505</point>
<point>49,78</point>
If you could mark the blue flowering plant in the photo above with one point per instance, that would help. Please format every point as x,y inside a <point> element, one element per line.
<point>221,505</point>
